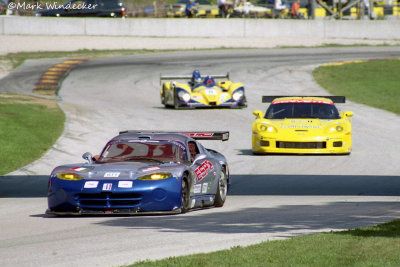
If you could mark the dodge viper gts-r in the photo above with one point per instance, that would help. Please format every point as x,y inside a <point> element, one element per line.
<point>202,92</point>
<point>142,172</point>
<point>302,125</point>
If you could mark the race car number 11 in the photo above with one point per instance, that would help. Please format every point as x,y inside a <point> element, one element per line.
<point>211,92</point>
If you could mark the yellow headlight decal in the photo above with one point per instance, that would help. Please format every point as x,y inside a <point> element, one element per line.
<point>69,176</point>
<point>156,176</point>
<point>339,128</point>
<point>263,127</point>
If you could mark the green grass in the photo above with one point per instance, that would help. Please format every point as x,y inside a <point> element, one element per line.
<point>373,83</point>
<point>28,128</point>
<point>369,246</point>
<point>16,59</point>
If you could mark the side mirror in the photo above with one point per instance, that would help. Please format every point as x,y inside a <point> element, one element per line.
<point>348,114</point>
<point>258,114</point>
<point>199,157</point>
<point>88,156</point>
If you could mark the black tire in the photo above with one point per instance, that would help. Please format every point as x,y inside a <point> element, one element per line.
<point>185,194</point>
<point>176,104</point>
<point>244,102</point>
<point>222,189</point>
<point>163,97</point>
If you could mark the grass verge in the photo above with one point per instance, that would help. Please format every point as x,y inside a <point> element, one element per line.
<point>369,246</point>
<point>373,83</point>
<point>29,126</point>
<point>17,59</point>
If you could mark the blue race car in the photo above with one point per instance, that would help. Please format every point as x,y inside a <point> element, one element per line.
<point>142,172</point>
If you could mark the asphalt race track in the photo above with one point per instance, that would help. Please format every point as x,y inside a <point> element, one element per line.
<point>271,197</point>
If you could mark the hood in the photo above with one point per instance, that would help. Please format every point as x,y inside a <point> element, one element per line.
<point>209,95</point>
<point>116,170</point>
<point>303,126</point>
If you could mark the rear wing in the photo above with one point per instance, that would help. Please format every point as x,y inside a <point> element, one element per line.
<point>335,99</point>
<point>188,77</point>
<point>202,135</point>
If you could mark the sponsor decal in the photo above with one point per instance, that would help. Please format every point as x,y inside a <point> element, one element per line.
<point>125,184</point>
<point>204,189</point>
<point>80,169</point>
<point>112,174</point>
<point>300,127</point>
<point>199,134</point>
<point>91,184</point>
<point>223,97</point>
<point>107,187</point>
<point>197,188</point>
<point>203,170</point>
<point>179,144</point>
<point>302,101</point>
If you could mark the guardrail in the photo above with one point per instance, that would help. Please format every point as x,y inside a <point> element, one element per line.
<point>147,27</point>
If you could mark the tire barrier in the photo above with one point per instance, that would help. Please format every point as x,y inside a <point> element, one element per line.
<point>50,81</point>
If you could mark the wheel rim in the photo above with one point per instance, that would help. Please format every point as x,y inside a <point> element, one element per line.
<point>223,188</point>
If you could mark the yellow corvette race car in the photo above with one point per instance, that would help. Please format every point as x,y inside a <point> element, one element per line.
<point>202,92</point>
<point>302,125</point>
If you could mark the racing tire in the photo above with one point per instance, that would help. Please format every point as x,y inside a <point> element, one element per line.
<point>176,105</point>
<point>244,102</point>
<point>163,96</point>
<point>222,189</point>
<point>185,194</point>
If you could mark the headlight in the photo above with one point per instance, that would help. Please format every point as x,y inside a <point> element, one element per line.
<point>266,128</point>
<point>156,176</point>
<point>263,127</point>
<point>337,128</point>
<point>183,95</point>
<point>69,176</point>
<point>237,95</point>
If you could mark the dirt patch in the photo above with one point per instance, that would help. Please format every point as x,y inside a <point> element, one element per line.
<point>25,99</point>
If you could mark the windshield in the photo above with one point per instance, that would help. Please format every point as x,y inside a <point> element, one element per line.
<point>302,110</point>
<point>139,150</point>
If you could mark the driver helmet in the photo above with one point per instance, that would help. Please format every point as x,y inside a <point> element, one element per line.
<point>196,77</point>
<point>209,81</point>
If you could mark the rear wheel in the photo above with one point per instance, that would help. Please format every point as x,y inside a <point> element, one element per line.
<point>163,97</point>
<point>222,189</point>
<point>185,195</point>
<point>176,103</point>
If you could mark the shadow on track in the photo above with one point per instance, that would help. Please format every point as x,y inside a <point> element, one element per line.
<point>287,220</point>
<point>314,185</point>
<point>23,186</point>
<point>248,185</point>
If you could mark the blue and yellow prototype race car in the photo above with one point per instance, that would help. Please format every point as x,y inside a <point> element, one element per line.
<point>202,92</point>
<point>302,125</point>
<point>142,172</point>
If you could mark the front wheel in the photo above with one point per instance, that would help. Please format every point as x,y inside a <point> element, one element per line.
<point>185,194</point>
<point>176,103</point>
<point>222,190</point>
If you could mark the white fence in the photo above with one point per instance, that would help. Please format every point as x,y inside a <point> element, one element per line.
<point>147,27</point>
